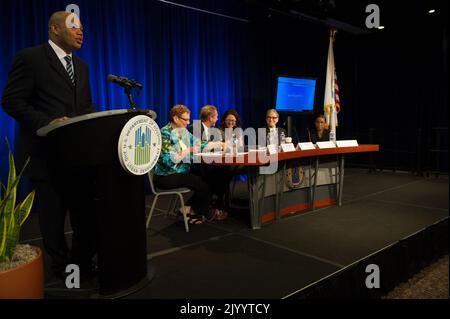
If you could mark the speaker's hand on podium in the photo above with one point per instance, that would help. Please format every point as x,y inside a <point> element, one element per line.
<point>58,120</point>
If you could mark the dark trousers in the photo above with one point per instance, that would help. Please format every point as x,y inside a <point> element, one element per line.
<point>217,178</point>
<point>79,195</point>
<point>49,206</point>
<point>54,197</point>
<point>201,199</point>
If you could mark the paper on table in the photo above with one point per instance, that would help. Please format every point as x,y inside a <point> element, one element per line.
<point>208,154</point>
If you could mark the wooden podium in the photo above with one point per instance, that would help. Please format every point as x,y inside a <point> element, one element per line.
<point>91,142</point>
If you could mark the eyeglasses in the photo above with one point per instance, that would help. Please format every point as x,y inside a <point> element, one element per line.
<point>272,117</point>
<point>186,120</point>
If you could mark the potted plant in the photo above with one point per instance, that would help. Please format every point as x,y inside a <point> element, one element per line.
<point>21,266</point>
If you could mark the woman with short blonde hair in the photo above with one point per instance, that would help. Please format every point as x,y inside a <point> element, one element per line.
<point>173,169</point>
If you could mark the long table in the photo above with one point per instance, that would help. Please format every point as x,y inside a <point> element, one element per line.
<point>257,182</point>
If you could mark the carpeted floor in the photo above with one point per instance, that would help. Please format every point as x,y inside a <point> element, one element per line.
<point>283,257</point>
<point>430,283</point>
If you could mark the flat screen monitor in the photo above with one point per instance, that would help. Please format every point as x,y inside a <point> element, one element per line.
<point>295,94</point>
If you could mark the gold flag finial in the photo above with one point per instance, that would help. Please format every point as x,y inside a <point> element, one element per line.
<point>333,32</point>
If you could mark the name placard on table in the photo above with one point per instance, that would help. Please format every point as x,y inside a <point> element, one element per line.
<point>289,147</point>
<point>273,149</point>
<point>347,143</point>
<point>306,146</point>
<point>327,144</point>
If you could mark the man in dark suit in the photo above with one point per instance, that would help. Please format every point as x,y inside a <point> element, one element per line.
<point>48,84</point>
<point>215,176</point>
<point>208,119</point>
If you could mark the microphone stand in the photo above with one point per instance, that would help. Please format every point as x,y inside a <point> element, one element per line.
<point>128,85</point>
<point>296,134</point>
<point>309,134</point>
<point>130,97</point>
<point>131,85</point>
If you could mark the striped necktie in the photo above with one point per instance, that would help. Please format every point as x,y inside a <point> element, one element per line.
<point>69,68</point>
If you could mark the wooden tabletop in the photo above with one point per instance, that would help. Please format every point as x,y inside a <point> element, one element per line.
<point>252,159</point>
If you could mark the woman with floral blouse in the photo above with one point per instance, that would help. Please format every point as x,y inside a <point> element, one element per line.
<point>173,167</point>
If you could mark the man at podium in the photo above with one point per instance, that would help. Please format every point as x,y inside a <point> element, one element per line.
<point>49,84</point>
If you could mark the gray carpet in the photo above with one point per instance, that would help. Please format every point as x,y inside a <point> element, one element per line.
<point>227,259</point>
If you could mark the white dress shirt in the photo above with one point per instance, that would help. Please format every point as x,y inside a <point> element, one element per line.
<point>61,54</point>
<point>206,132</point>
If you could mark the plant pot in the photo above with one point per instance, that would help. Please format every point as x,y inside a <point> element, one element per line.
<point>25,281</point>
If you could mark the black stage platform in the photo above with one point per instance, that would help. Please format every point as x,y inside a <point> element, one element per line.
<point>395,220</point>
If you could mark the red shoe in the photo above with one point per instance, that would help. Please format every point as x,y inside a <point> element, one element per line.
<point>217,214</point>
<point>195,221</point>
<point>222,215</point>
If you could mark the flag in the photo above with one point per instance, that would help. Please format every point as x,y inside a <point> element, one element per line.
<point>332,104</point>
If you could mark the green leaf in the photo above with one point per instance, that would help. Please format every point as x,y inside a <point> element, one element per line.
<point>12,171</point>
<point>2,239</point>
<point>12,216</point>
<point>11,189</point>
<point>17,219</point>
<point>24,208</point>
<point>11,239</point>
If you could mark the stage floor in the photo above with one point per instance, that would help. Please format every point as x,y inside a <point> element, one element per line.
<point>229,260</point>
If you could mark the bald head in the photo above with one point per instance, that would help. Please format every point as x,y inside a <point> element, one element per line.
<point>58,18</point>
<point>66,31</point>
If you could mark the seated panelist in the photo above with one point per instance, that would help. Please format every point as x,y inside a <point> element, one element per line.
<point>231,120</point>
<point>173,169</point>
<point>273,132</point>
<point>320,133</point>
<point>205,130</point>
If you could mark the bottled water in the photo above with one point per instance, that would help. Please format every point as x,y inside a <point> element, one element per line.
<point>234,142</point>
<point>332,136</point>
<point>282,138</point>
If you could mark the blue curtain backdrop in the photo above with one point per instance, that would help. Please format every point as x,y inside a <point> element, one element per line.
<point>179,55</point>
<point>197,58</point>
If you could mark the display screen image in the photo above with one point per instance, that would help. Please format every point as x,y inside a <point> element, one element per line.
<point>295,94</point>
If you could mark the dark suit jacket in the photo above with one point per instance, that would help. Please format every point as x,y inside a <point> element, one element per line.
<point>38,91</point>
<point>202,132</point>
<point>279,130</point>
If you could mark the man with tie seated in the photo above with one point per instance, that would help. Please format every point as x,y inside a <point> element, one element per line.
<point>273,131</point>
<point>215,176</point>
<point>49,84</point>
<point>208,119</point>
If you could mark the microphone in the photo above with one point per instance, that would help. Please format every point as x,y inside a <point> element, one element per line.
<point>296,134</point>
<point>124,82</point>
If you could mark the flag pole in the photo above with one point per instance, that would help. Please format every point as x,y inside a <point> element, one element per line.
<point>333,81</point>
<point>330,90</point>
